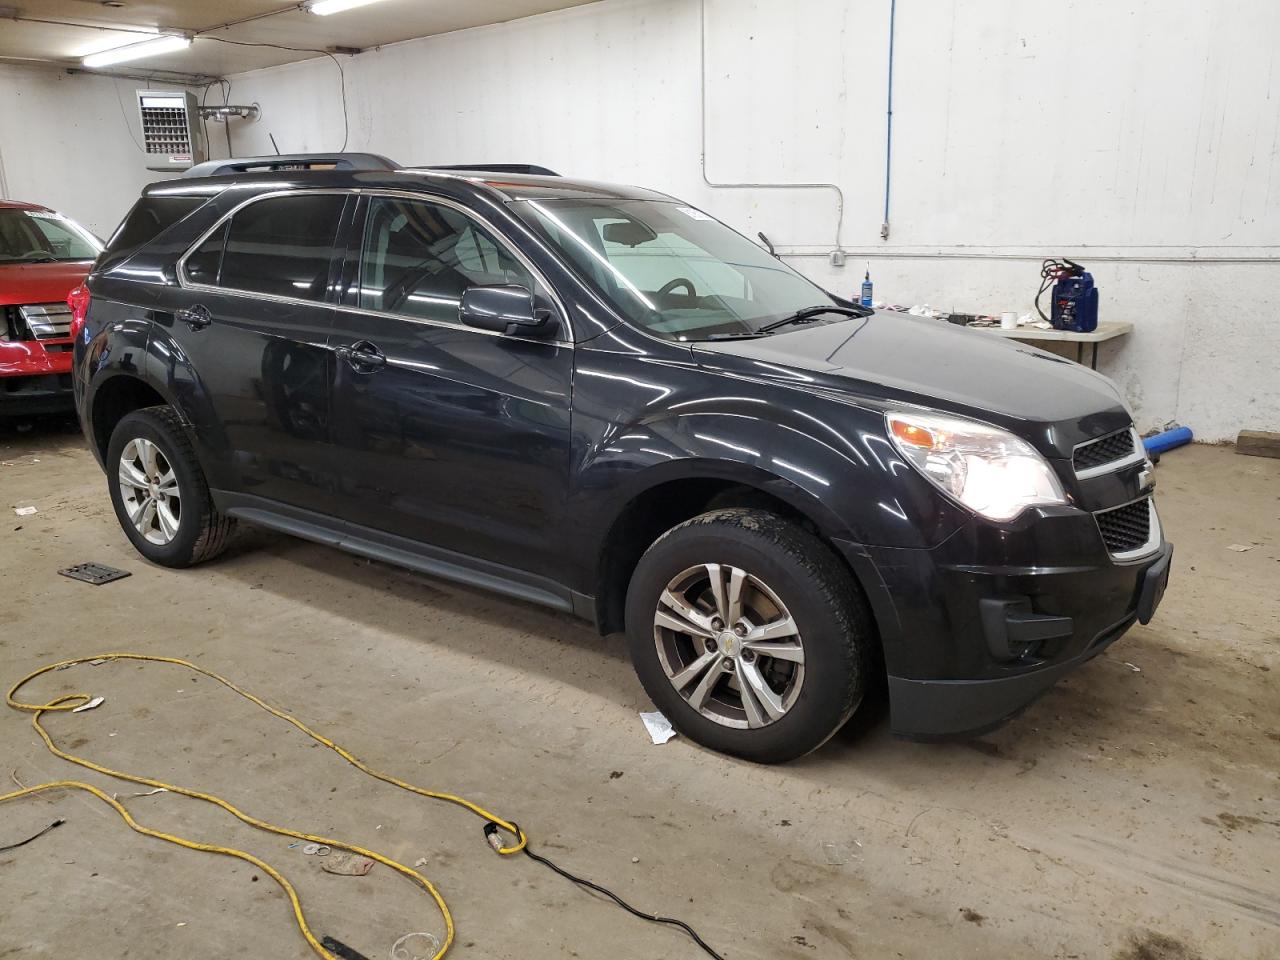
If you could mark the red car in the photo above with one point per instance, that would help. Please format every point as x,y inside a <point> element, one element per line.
<point>43,257</point>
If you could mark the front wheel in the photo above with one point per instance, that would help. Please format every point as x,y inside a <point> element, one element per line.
<point>159,492</point>
<point>749,634</point>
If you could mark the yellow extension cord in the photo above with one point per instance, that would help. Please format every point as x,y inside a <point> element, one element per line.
<point>71,701</point>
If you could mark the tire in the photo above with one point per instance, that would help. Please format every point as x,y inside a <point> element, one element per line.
<point>184,527</point>
<point>785,573</point>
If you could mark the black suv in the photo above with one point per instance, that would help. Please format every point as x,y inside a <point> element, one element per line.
<point>601,399</point>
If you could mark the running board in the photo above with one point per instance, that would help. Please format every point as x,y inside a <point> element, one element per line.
<point>397,551</point>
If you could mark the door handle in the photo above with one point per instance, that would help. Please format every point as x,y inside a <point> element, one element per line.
<point>197,317</point>
<point>363,356</point>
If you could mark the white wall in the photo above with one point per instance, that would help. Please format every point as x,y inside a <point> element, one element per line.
<point>1141,137</point>
<point>71,142</point>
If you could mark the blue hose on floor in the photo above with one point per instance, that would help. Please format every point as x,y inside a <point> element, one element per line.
<point>1167,440</point>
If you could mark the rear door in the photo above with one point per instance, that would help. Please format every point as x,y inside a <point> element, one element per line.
<point>450,436</point>
<point>250,327</point>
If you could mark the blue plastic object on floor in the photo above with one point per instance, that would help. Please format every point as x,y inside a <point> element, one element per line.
<point>1167,440</point>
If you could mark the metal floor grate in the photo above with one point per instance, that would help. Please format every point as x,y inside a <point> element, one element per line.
<point>94,573</point>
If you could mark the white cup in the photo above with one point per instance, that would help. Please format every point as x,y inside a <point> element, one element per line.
<point>1008,320</point>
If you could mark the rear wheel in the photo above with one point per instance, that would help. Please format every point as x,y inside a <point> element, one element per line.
<point>749,635</point>
<point>159,492</point>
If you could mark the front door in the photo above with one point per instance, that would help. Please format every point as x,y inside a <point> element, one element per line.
<point>252,321</point>
<point>448,435</point>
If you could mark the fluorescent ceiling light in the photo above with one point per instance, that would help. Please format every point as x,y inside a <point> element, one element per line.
<point>111,39</point>
<point>323,8</point>
<point>136,51</point>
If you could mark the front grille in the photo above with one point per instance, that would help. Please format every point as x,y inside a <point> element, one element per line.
<point>1099,453</point>
<point>47,321</point>
<point>1126,528</point>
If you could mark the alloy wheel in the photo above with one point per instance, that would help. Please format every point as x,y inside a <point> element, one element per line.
<point>729,645</point>
<point>149,490</point>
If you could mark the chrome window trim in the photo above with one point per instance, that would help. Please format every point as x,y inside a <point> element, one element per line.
<point>445,325</point>
<point>1155,535</point>
<point>1138,456</point>
<point>537,274</point>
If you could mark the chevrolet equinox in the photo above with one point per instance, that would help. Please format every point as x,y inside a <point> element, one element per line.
<point>601,399</point>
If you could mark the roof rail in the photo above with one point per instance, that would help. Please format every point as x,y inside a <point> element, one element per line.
<point>495,168</point>
<point>292,161</point>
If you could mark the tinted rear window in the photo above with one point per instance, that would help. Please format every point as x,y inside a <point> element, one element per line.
<point>282,246</point>
<point>149,217</point>
<point>205,261</point>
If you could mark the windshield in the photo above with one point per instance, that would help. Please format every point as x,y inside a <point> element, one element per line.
<point>42,236</point>
<point>673,270</point>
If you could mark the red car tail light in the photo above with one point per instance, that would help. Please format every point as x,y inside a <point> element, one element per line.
<point>78,301</point>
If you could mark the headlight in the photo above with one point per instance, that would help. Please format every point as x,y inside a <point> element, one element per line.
<point>987,469</point>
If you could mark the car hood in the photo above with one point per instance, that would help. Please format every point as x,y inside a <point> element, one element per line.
<point>898,358</point>
<point>40,282</point>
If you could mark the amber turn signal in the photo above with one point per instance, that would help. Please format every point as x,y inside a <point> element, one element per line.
<point>911,434</point>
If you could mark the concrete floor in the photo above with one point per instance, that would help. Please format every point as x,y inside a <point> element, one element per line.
<point>1133,813</point>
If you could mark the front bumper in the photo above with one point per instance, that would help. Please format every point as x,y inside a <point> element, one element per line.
<point>970,644</point>
<point>945,709</point>
<point>35,377</point>
<point>36,394</point>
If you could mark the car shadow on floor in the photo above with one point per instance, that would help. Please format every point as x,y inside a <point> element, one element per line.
<point>1087,709</point>
<point>1103,712</point>
<point>23,436</point>
<point>427,610</point>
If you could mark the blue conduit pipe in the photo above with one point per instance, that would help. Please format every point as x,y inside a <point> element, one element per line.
<point>1168,440</point>
<point>888,126</point>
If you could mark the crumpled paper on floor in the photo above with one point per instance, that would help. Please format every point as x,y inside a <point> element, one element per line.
<point>659,727</point>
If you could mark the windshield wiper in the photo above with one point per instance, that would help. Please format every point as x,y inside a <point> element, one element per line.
<point>809,314</point>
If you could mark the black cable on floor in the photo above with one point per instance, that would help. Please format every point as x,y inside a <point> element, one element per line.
<point>582,882</point>
<point>23,843</point>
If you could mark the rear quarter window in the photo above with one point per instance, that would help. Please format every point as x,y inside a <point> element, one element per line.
<point>282,246</point>
<point>149,218</point>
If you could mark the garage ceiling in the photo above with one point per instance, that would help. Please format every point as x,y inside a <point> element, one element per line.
<point>85,25</point>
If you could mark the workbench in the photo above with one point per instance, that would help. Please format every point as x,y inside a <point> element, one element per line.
<point>1107,330</point>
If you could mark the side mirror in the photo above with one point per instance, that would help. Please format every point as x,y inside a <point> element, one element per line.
<point>507,309</point>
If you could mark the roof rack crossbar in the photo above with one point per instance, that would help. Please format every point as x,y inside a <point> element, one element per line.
<point>527,168</point>
<point>292,161</point>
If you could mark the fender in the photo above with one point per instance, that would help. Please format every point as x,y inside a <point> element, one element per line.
<point>828,457</point>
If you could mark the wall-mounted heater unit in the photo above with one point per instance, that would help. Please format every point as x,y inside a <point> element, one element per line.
<point>171,130</point>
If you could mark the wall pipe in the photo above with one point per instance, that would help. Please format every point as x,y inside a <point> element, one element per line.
<point>882,253</point>
<point>888,124</point>
<point>716,185</point>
